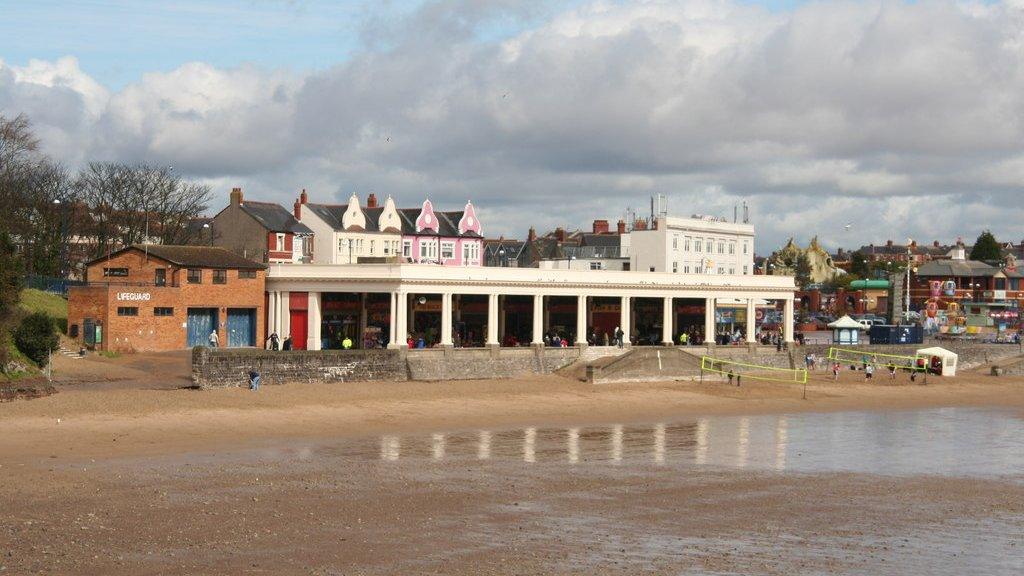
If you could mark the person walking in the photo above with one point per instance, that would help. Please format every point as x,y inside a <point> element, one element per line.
<point>254,380</point>
<point>835,371</point>
<point>214,339</point>
<point>731,375</point>
<point>892,370</point>
<point>275,341</point>
<point>618,336</point>
<point>869,372</point>
<point>287,345</point>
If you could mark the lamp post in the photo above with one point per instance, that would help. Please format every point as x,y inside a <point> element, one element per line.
<point>62,255</point>
<point>906,295</point>
<point>209,233</point>
<point>501,257</point>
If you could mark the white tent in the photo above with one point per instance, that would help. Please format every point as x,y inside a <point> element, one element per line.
<point>846,330</point>
<point>948,359</point>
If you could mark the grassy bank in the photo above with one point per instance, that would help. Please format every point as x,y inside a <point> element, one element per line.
<point>33,300</point>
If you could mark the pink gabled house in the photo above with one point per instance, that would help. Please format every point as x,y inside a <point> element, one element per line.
<point>445,238</point>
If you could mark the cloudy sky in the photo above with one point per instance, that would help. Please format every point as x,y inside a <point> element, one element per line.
<point>902,118</point>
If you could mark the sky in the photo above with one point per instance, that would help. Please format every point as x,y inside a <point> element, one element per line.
<point>899,119</point>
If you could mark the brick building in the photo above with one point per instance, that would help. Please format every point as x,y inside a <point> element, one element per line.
<point>154,297</point>
<point>262,231</point>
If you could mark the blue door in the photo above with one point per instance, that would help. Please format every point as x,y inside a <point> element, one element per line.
<point>241,327</point>
<point>200,322</point>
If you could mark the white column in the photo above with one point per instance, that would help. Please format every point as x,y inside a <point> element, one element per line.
<point>285,315</point>
<point>709,321</point>
<point>581,320</point>
<point>498,300</point>
<point>271,326</point>
<point>787,320</point>
<point>751,322</point>
<point>446,319</point>
<point>392,314</point>
<point>624,317</point>
<point>492,320</point>
<point>401,313</point>
<point>313,322</point>
<point>538,320</point>
<point>666,322</point>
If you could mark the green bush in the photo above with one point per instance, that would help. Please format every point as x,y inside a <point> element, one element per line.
<point>36,337</point>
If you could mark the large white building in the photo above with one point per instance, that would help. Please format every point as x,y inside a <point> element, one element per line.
<point>695,245</point>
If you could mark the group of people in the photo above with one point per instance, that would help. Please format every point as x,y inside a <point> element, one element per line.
<point>274,342</point>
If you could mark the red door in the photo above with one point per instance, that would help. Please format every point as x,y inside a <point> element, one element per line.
<point>298,327</point>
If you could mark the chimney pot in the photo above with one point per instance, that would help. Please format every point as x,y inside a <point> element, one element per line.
<point>531,235</point>
<point>621,227</point>
<point>371,201</point>
<point>297,210</point>
<point>600,226</point>
<point>888,243</point>
<point>303,198</point>
<point>560,234</point>
<point>236,196</point>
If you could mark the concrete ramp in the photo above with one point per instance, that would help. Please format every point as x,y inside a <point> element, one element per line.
<point>645,364</point>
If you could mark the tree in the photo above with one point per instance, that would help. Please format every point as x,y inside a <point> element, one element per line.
<point>36,337</point>
<point>986,248</point>
<point>859,265</point>
<point>11,278</point>
<point>803,271</point>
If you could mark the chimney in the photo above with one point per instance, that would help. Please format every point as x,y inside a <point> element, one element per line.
<point>297,210</point>
<point>600,226</point>
<point>371,201</point>
<point>621,227</point>
<point>236,196</point>
<point>935,243</point>
<point>913,244</point>
<point>303,198</point>
<point>560,234</point>
<point>888,243</point>
<point>531,235</point>
<point>640,224</point>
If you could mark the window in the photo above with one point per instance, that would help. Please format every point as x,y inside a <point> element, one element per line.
<point>698,244</point>
<point>686,244</point>
<point>732,271</point>
<point>744,270</point>
<point>160,277</point>
<point>675,267</point>
<point>652,268</point>
<point>247,274</point>
<point>675,242</point>
<point>372,248</point>
<point>625,266</point>
<point>195,276</point>
<point>279,242</point>
<point>220,276</point>
<point>732,247</point>
<point>118,272</point>
<point>710,246</point>
<point>407,248</point>
<point>447,250</point>
<point>721,247</point>
<point>721,270</point>
<point>686,268</point>
<point>127,311</point>
<point>744,247</point>
<point>596,266</point>
<point>359,245</point>
<point>163,311</point>
<point>470,253</point>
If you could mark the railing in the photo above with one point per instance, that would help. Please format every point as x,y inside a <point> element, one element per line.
<point>51,284</point>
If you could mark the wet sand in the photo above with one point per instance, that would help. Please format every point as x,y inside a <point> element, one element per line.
<point>300,479</point>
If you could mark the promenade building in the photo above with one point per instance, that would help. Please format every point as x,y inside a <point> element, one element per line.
<point>705,245</point>
<point>494,306</point>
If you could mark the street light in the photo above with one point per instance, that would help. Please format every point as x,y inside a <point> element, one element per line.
<point>906,296</point>
<point>501,257</point>
<point>62,255</point>
<point>209,233</point>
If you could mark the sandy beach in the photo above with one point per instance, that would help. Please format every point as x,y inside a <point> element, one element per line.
<point>135,481</point>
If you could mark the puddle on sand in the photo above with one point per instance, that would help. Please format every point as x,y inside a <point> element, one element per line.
<point>952,441</point>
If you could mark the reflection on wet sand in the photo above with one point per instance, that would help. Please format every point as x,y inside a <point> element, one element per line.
<point>896,443</point>
<point>661,443</point>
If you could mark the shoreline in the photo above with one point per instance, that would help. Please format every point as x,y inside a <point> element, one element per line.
<point>101,423</point>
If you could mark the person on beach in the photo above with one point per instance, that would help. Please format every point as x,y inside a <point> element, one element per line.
<point>869,371</point>
<point>892,370</point>
<point>618,337</point>
<point>275,341</point>
<point>730,377</point>
<point>835,371</point>
<point>254,380</point>
<point>864,361</point>
<point>287,345</point>
<point>214,339</point>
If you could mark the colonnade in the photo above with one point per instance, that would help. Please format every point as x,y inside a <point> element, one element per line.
<point>278,317</point>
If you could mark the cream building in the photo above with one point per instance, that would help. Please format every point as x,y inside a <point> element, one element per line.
<point>298,296</point>
<point>695,245</point>
<point>344,234</point>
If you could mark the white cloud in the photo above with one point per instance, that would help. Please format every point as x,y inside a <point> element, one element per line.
<point>909,115</point>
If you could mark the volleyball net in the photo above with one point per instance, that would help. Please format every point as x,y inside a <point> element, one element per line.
<point>903,362</point>
<point>753,371</point>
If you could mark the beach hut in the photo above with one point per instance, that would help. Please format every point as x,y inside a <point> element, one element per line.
<point>846,330</point>
<point>940,358</point>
